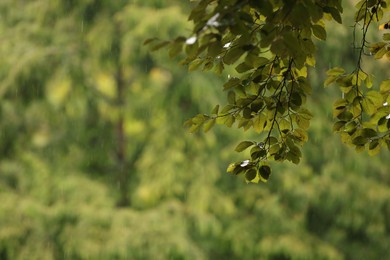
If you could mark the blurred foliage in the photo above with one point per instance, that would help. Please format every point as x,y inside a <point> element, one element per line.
<point>59,167</point>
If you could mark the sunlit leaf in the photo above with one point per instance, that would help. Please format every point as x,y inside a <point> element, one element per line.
<point>243,146</point>
<point>385,86</point>
<point>209,124</point>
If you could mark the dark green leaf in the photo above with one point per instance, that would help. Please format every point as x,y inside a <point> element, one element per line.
<point>368,133</point>
<point>233,55</point>
<point>359,140</point>
<point>338,125</point>
<point>250,174</point>
<point>232,82</point>
<point>265,172</point>
<point>231,97</point>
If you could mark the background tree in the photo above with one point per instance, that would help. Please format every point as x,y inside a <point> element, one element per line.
<point>58,142</point>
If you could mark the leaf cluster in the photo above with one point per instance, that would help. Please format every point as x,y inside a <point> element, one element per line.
<point>270,44</point>
<point>362,114</point>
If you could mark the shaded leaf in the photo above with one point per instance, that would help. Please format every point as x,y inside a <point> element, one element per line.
<point>319,31</point>
<point>359,140</point>
<point>250,174</point>
<point>233,55</point>
<point>265,172</point>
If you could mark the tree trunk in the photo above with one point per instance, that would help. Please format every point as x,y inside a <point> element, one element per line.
<point>123,176</point>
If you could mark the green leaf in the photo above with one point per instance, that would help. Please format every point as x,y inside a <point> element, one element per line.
<point>238,169</point>
<point>345,116</point>
<point>150,40</point>
<point>375,97</point>
<point>368,106</point>
<point>336,71</point>
<point>302,122</point>
<point>230,119</point>
<point>300,135</point>
<point>192,49</point>
<point>247,113</point>
<point>350,127</point>
<point>368,81</point>
<point>214,49</point>
<point>243,67</point>
<point>160,45</point>
<point>374,148</point>
<point>250,174</point>
<point>329,80</point>
<point>334,13</point>
<point>379,54</point>
<point>386,37</point>
<point>175,48</point>
<point>319,31</point>
<point>385,86</point>
<point>259,122</point>
<point>359,140</point>
<point>195,64</point>
<point>226,109</point>
<point>256,61</point>
<point>215,110</point>
<point>274,149</point>
<point>292,157</point>
<point>265,172</point>
<point>233,55</point>
<point>271,140</point>
<point>231,97</point>
<point>209,124</point>
<point>284,124</point>
<point>305,113</point>
<point>208,66</point>
<point>244,145</point>
<point>338,125</point>
<point>232,82</point>
<point>296,99</point>
<point>299,15</point>
<point>199,119</point>
<point>231,167</point>
<point>257,105</point>
<point>368,133</point>
<point>257,152</point>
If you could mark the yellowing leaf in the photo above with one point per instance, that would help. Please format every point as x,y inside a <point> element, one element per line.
<point>231,167</point>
